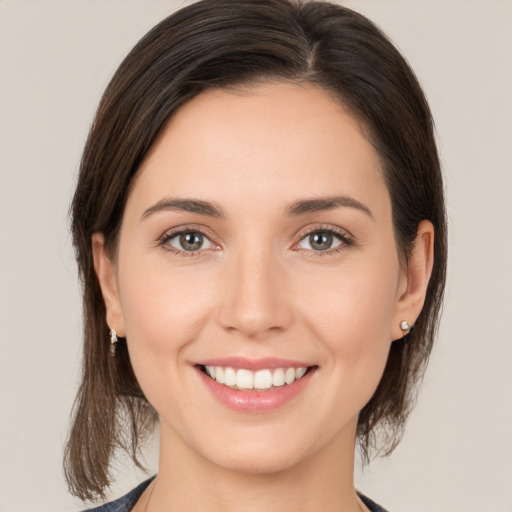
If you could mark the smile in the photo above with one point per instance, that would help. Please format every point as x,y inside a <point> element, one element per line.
<point>255,386</point>
<point>261,380</point>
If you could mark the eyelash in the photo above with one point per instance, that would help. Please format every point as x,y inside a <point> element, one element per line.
<point>163,241</point>
<point>345,238</point>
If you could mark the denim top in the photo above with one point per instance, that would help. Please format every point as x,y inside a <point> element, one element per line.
<point>127,502</point>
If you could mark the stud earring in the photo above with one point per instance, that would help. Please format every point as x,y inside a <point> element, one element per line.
<point>404,325</point>
<point>113,342</point>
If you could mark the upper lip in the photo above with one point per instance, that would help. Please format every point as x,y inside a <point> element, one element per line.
<point>253,364</point>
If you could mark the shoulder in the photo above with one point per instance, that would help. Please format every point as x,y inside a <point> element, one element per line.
<point>125,503</point>
<point>372,506</point>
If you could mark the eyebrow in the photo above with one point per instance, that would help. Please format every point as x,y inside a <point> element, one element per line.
<point>326,203</point>
<point>186,205</point>
<point>297,208</point>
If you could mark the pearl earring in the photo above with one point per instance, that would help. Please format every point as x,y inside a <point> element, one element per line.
<point>113,342</point>
<point>404,325</point>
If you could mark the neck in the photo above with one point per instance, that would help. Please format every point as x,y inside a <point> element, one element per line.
<point>188,482</point>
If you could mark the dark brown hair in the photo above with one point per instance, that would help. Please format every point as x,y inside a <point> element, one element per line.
<point>227,43</point>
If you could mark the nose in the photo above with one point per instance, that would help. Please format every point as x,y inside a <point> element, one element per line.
<point>256,297</point>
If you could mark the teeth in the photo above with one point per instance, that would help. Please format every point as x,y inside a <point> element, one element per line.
<point>299,373</point>
<point>289,375</point>
<point>229,377</point>
<point>244,379</point>
<point>260,380</point>
<point>217,373</point>
<point>278,377</point>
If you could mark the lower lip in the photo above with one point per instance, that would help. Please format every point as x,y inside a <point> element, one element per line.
<point>256,401</point>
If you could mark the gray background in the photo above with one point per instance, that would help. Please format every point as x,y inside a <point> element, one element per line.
<point>56,58</point>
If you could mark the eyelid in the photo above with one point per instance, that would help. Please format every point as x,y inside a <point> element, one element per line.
<point>187,228</point>
<point>346,238</point>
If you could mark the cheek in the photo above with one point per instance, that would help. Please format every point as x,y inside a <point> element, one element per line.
<point>351,313</point>
<point>162,305</point>
<point>164,310</point>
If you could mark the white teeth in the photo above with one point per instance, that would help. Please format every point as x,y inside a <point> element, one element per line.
<point>278,377</point>
<point>289,375</point>
<point>260,380</point>
<point>300,372</point>
<point>244,379</point>
<point>219,374</point>
<point>229,377</point>
<point>263,379</point>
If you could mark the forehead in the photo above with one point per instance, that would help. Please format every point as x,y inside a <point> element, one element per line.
<point>272,141</point>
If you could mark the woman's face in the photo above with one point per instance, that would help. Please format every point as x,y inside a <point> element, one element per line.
<point>258,237</point>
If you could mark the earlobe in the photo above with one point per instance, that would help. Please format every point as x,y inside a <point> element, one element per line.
<point>417,274</point>
<point>106,272</point>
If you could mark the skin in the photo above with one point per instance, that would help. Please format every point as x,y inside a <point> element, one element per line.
<point>258,288</point>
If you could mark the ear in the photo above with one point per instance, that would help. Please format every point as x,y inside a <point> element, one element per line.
<point>106,273</point>
<point>414,280</point>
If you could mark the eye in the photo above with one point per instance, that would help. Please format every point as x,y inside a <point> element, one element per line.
<point>188,241</point>
<point>323,240</point>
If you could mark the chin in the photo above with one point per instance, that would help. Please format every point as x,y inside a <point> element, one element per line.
<point>257,462</point>
<point>261,451</point>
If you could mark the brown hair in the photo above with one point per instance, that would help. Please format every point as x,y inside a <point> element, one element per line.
<point>225,43</point>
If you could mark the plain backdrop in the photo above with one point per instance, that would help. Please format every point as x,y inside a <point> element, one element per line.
<point>56,57</point>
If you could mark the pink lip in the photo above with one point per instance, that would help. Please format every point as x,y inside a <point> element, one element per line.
<point>255,401</point>
<point>254,364</point>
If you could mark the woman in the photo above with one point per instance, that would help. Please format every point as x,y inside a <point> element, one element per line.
<point>260,230</point>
